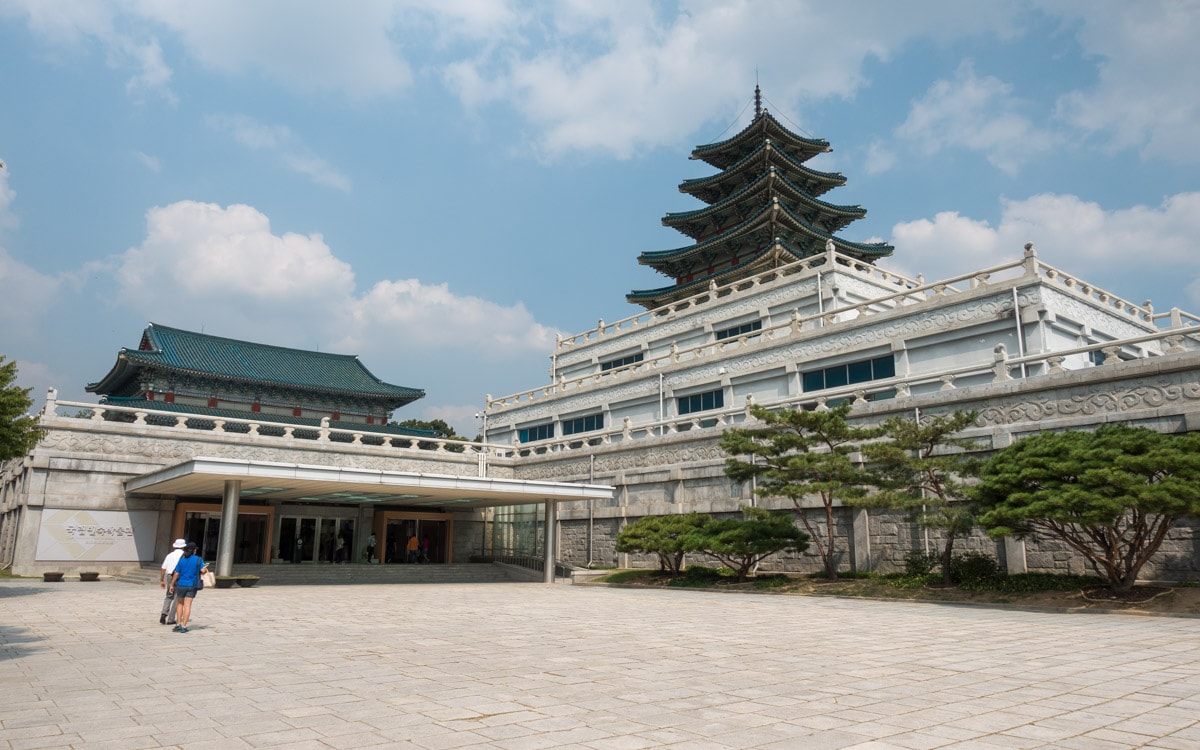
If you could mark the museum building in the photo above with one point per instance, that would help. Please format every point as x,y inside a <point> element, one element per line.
<point>766,303</point>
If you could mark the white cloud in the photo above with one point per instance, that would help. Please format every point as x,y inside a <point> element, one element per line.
<point>152,163</point>
<point>309,46</point>
<point>880,158</point>
<point>204,253</point>
<point>24,292</point>
<point>620,78</point>
<point>8,219</point>
<point>224,269</point>
<point>73,24</point>
<point>430,316</point>
<point>1147,56</point>
<point>978,114</point>
<point>287,147</point>
<point>1105,247</point>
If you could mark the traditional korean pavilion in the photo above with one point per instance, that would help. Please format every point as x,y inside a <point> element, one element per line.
<point>763,211</point>
<point>184,371</point>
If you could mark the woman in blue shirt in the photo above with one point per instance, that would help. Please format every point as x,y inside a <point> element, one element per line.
<point>184,583</point>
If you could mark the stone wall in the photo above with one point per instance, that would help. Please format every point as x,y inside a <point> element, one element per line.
<point>684,471</point>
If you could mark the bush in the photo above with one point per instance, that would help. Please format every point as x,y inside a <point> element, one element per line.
<point>974,570</point>
<point>921,563</point>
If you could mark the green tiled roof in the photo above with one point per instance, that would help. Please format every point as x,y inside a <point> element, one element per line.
<point>168,349</point>
<point>788,224</point>
<point>724,153</point>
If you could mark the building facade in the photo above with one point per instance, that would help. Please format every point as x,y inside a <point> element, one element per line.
<point>766,305</point>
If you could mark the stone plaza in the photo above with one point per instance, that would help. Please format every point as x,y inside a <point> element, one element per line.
<point>523,666</point>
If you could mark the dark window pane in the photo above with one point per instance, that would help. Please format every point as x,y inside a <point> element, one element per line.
<point>860,372</point>
<point>835,376</point>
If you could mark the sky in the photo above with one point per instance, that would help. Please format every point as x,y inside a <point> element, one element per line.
<point>443,186</point>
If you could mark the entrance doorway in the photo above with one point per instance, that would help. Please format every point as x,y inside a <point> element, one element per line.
<point>252,531</point>
<point>431,536</point>
<point>306,539</point>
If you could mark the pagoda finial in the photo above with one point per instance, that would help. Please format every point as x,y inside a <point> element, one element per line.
<point>757,101</point>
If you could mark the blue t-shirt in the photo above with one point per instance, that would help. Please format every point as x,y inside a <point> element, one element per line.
<point>188,569</point>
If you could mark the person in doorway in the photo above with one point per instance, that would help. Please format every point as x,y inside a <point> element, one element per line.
<point>371,548</point>
<point>339,554</point>
<point>424,548</point>
<point>298,551</point>
<point>184,583</point>
<point>167,616</point>
<point>414,547</point>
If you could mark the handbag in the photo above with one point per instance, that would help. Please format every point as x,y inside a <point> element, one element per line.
<point>207,579</point>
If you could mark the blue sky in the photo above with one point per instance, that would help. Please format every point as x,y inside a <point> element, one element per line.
<point>441,186</point>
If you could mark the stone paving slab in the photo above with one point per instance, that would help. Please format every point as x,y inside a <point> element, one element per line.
<point>529,666</point>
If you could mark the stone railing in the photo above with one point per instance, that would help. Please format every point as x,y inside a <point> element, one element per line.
<point>715,293</point>
<point>999,369</point>
<point>912,292</point>
<point>235,427</point>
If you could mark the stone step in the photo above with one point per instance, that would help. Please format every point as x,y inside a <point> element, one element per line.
<point>310,574</point>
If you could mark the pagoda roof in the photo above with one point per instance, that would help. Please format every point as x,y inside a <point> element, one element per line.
<point>773,220</point>
<point>702,221</point>
<point>715,187</point>
<point>724,153</point>
<point>760,260</point>
<point>173,350</point>
<point>307,422</point>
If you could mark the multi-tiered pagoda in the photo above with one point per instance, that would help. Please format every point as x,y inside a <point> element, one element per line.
<point>763,211</point>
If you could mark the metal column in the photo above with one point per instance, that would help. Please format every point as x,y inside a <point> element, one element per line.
<point>229,515</point>
<point>551,522</point>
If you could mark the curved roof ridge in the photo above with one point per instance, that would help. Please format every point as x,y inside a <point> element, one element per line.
<point>836,178</point>
<point>767,120</point>
<point>800,193</point>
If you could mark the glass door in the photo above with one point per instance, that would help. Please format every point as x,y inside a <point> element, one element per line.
<point>298,538</point>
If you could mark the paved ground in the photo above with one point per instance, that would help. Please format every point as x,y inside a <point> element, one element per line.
<point>520,666</point>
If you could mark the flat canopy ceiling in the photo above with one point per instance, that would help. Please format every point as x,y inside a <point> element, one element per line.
<point>205,477</point>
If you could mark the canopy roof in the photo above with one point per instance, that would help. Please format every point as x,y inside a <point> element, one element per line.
<point>171,350</point>
<point>205,477</point>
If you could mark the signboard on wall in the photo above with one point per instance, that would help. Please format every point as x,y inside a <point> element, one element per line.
<point>97,535</point>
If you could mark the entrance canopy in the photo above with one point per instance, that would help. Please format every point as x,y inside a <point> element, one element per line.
<point>206,477</point>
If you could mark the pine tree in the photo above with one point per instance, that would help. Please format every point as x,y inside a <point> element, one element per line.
<point>19,432</point>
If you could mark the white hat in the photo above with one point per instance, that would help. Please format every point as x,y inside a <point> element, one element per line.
<point>179,544</point>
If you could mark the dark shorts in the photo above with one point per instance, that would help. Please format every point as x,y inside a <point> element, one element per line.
<point>185,592</point>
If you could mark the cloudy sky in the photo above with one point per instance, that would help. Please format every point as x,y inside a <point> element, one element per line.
<point>441,186</point>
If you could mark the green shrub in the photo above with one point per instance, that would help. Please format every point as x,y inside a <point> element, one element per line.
<point>921,563</point>
<point>974,570</point>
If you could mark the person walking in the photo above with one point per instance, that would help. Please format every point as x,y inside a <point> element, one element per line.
<point>414,547</point>
<point>167,616</point>
<point>184,583</point>
<point>371,549</point>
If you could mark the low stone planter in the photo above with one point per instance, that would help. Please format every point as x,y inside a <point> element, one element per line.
<point>247,581</point>
<point>89,576</point>
<point>225,582</point>
<point>52,577</point>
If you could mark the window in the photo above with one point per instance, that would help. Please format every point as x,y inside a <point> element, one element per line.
<point>583,424</point>
<point>701,402</point>
<point>867,370</point>
<point>534,434</point>
<point>612,364</point>
<point>731,333</point>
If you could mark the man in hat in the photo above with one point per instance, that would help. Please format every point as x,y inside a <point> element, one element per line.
<point>167,617</point>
